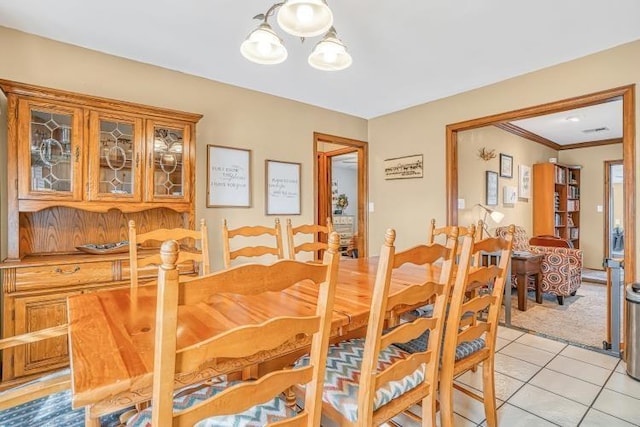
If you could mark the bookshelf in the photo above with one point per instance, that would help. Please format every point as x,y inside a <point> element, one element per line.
<point>556,201</point>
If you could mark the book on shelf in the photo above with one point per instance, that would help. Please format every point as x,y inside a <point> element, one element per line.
<point>560,175</point>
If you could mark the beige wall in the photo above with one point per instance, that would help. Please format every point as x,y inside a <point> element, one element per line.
<point>278,128</point>
<point>471,173</point>
<point>591,196</point>
<point>271,127</point>
<point>408,204</point>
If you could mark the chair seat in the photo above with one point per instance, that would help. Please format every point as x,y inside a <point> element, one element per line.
<point>344,362</point>
<point>53,410</point>
<point>464,349</point>
<point>257,416</point>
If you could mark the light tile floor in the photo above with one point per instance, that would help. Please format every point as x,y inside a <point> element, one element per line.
<point>541,382</point>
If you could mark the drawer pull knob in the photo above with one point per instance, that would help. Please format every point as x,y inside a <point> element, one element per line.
<point>61,271</point>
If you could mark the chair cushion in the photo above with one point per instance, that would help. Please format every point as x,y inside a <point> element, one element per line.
<point>344,362</point>
<point>52,411</point>
<point>463,350</point>
<point>257,416</point>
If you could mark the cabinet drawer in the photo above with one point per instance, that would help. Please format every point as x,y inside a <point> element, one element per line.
<point>151,271</point>
<point>47,276</point>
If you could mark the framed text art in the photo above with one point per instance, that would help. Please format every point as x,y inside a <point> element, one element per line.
<point>403,167</point>
<point>282,188</point>
<point>506,166</point>
<point>492,188</point>
<point>228,177</point>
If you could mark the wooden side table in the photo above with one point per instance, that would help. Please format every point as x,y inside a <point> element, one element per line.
<point>525,265</point>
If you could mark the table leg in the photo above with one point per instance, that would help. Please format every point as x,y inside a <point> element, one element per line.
<point>539,288</point>
<point>89,421</point>
<point>522,292</point>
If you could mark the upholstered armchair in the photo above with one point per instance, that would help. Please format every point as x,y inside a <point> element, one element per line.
<point>561,267</point>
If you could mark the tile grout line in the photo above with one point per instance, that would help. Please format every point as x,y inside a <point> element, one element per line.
<point>597,396</point>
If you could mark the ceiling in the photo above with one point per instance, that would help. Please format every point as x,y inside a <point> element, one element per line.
<point>405,52</point>
<point>588,124</point>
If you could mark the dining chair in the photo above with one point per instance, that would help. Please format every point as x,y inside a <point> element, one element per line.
<point>188,253</point>
<point>467,345</point>
<point>251,251</point>
<point>445,231</point>
<point>222,403</point>
<point>45,399</point>
<point>368,380</point>
<point>310,246</point>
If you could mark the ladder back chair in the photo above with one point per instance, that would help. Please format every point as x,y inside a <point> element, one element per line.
<point>467,345</point>
<point>445,231</point>
<point>369,381</point>
<point>314,230</point>
<point>200,256</point>
<point>259,402</point>
<point>251,251</point>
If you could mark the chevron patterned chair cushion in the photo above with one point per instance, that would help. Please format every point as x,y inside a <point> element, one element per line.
<point>463,350</point>
<point>257,416</point>
<point>342,377</point>
<point>52,411</point>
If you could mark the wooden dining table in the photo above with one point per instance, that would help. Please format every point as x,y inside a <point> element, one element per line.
<point>112,333</point>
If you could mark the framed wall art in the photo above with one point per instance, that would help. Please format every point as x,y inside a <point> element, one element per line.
<point>228,177</point>
<point>282,188</point>
<point>524,181</point>
<point>403,167</point>
<point>510,195</point>
<point>506,166</point>
<point>492,188</point>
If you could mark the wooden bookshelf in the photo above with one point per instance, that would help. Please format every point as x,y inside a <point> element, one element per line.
<point>556,201</point>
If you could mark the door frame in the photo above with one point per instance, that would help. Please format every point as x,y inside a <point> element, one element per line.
<point>320,186</point>
<point>607,203</point>
<point>627,93</point>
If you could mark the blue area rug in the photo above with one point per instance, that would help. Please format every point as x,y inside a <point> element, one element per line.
<point>51,411</point>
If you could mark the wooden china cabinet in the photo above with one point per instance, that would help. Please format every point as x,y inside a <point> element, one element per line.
<point>79,168</point>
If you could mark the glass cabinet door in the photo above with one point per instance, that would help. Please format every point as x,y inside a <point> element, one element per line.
<point>168,146</point>
<point>115,157</point>
<point>50,159</point>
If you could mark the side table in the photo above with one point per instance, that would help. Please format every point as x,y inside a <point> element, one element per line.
<point>525,265</point>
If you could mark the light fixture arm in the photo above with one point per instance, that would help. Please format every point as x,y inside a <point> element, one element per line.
<point>269,13</point>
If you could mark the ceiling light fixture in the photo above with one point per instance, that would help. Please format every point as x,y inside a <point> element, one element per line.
<point>302,18</point>
<point>573,118</point>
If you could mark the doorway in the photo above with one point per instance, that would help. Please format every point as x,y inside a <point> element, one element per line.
<point>626,93</point>
<point>341,190</point>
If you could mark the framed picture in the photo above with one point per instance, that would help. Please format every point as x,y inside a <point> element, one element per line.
<point>524,181</point>
<point>282,188</point>
<point>228,177</point>
<point>492,188</point>
<point>403,167</point>
<point>506,166</point>
<point>510,195</point>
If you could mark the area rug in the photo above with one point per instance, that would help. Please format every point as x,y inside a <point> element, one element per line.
<point>581,320</point>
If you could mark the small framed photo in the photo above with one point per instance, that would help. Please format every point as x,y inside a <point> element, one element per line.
<point>282,188</point>
<point>506,166</point>
<point>492,188</point>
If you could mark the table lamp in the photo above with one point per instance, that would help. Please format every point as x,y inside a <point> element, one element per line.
<point>496,216</point>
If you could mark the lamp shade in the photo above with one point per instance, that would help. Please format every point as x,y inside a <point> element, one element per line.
<point>496,216</point>
<point>263,46</point>
<point>305,18</point>
<point>330,54</point>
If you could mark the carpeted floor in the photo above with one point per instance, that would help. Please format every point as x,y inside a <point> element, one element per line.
<point>581,320</point>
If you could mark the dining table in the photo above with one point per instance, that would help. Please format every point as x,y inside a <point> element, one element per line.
<point>112,332</point>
